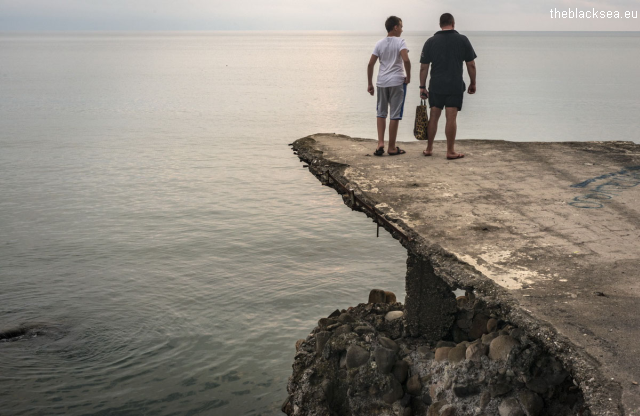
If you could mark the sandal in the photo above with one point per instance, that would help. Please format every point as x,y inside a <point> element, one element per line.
<point>397,152</point>
<point>379,151</point>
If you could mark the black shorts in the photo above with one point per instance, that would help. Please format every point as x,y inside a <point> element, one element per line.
<point>445,100</point>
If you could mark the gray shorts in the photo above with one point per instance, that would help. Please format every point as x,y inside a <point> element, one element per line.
<point>391,97</point>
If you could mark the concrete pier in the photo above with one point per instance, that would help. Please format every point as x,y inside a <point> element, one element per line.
<point>549,232</point>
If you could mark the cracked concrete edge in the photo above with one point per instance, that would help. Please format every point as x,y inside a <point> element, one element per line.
<point>602,396</point>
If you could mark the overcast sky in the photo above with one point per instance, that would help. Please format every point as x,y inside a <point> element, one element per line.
<point>367,15</point>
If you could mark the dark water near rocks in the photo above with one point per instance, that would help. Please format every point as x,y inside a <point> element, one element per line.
<point>155,223</point>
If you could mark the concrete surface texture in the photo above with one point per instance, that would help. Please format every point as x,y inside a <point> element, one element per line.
<point>555,226</point>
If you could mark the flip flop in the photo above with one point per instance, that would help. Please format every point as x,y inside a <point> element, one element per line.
<point>425,154</point>
<point>379,151</point>
<point>458,156</point>
<point>398,152</point>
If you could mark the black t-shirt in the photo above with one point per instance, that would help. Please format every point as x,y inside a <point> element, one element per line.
<point>445,51</point>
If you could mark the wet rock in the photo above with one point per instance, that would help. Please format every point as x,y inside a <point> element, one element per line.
<point>321,341</point>
<point>414,386</point>
<point>461,390</point>
<point>343,329</point>
<point>492,325</point>
<point>377,296</point>
<point>335,314</point>
<point>457,354</point>
<point>299,344</point>
<point>475,352</point>
<point>531,403</point>
<point>500,389</point>
<point>400,370</point>
<point>510,407</point>
<point>389,297</point>
<point>479,326</point>
<point>394,393</point>
<point>442,353</point>
<point>393,315</point>
<point>361,330</point>
<point>356,356</point>
<point>345,318</point>
<point>487,338</point>
<point>500,347</point>
<point>325,322</point>
<point>385,359</point>
<point>389,344</point>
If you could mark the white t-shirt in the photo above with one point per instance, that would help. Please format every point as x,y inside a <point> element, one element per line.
<point>391,71</point>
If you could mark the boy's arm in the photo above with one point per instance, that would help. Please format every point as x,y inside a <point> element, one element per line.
<point>372,63</point>
<point>407,65</point>
<point>424,71</point>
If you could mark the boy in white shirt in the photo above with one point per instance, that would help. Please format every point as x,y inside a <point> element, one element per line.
<point>392,82</point>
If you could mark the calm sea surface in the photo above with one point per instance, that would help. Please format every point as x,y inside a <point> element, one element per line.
<point>153,219</point>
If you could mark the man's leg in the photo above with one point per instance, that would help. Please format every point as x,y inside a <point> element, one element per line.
<point>432,129</point>
<point>450,131</point>
<point>382,125</point>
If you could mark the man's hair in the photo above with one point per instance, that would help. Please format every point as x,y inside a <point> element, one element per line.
<point>446,20</point>
<point>392,21</point>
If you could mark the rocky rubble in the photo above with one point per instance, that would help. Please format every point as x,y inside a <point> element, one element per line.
<point>363,361</point>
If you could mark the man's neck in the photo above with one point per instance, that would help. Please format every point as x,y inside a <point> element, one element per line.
<point>447,28</point>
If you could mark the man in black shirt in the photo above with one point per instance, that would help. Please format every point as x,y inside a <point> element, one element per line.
<point>444,52</point>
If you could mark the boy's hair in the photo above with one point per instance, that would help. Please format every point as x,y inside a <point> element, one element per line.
<point>392,21</point>
<point>446,20</point>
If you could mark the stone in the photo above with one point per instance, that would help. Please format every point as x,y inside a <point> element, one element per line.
<point>414,386</point>
<point>492,325</point>
<point>475,352</point>
<point>499,389</point>
<point>461,390</point>
<point>537,385</point>
<point>321,341</point>
<point>462,301</point>
<point>510,407</point>
<point>389,344</point>
<point>400,370</point>
<point>446,344</point>
<point>433,390</point>
<point>485,398</point>
<point>385,359</point>
<point>442,353</point>
<point>394,393</point>
<point>531,403</point>
<point>448,410</point>
<point>407,412</point>
<point>377,296</point>
<point>345,318</point>
<point>343,329</point>
<point>286,406</point>
<point>517,333</point>
<point>487,338</point>
<point>361,330</point>
<point>325,322</point>
<point>457,354</point>
<point>389,297</point>
<point>434,409</point>
<point>343,360</point>
<point>335,314</point>
<point>406,399</point>
<point>299,344</point>
<point>479,326</point>
<point>393,315</point>
<point>464,320</point>
<point>356,356</point>
<point>425,353</point>
<point>426,399</point>
<point>458,335</point>
<point>500,347</point>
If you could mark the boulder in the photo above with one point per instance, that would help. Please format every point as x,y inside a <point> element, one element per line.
<point>510,407</point>
<point>335,314</point>
<point>389,297</point>
<point>457,354</point>
<point>325,322</point>
<point>414,386</point>
<point>394,393</point>
<point>299,344</point>
<point>400,370</point>
<point>434,409</point>
<point>363,329</point>
<point>343,329</point>
<point>476,351</point>
<point>487,338</point>
<point>345,318</point>
<point>393,315</point>
<point>478,326</point>
<point>500,389</point>
<point>425,353</point>
<point>321,341</point>
<point>531,403</point>
<point>500,347</point>
<point>385,359</point>
<point>389,344</point>
<point>448,410</point>
<point>442,353</point>
<point>492,325</point>
<point>356,356</point>
<point>377,296</point>
<point>462,390</point>
<point>446,344</point>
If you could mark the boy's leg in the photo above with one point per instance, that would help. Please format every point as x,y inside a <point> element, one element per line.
<point>382,125</point>
<point>393,134</point>
<point>396,102</point>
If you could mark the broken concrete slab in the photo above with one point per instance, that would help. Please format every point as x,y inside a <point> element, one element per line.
<point>548,232</point>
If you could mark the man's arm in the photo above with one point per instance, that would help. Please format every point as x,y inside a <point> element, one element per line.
<point>471,69</point>
<point>407,65</point>
<point>424,71</point>
<point>372,63</point>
